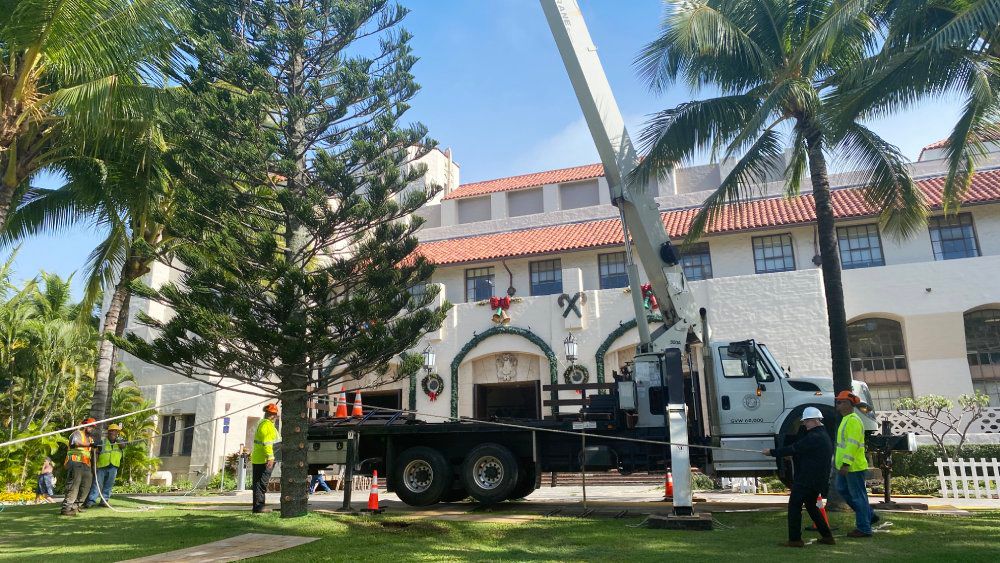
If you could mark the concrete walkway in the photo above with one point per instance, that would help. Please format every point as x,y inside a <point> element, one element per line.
<point>233,549</point>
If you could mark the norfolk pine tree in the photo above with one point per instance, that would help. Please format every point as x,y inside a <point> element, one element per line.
<point>297,221</point>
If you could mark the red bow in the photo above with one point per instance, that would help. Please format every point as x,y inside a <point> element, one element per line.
<point>647,293</point>
<point>500,303</point>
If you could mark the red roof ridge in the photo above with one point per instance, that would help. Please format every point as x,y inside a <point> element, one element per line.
<point>529,180</point>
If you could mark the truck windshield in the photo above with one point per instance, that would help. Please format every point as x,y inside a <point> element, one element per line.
<point>775,366</point>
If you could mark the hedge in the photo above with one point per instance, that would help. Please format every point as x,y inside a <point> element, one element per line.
<point>921,462</point>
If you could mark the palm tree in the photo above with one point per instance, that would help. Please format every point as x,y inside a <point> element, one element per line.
<point>71,72</point>
<point>773,64</point>
<point>130,195</point>
<point>934,47</point>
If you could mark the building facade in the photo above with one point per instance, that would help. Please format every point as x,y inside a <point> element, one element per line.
<point>924,311</point>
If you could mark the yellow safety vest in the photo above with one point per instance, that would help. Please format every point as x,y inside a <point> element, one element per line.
<point>851,444</point>
<point>79,447</point>
<point>263,442</point>
<point>111,454</point>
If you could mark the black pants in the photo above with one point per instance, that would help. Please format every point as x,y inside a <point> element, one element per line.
<point>804,496</point>
<point>261,475</point>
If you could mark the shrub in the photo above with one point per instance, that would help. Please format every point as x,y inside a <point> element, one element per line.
<point>702,482</point>
<point>921,462</point>
<point>16,498</point>
<point>773,484</point>
<point>230,484</point>
<point>916,486</point>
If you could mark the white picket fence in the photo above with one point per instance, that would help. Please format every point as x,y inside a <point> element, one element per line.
<point>969,478</point>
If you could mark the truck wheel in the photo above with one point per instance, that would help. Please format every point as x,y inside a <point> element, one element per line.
<point>490,473</point>
<point>422,476</point>
<point>525,484</point>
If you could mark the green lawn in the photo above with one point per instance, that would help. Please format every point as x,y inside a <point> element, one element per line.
<point>36,533</point>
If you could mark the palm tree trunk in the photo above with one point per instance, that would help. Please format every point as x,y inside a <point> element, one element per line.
<point>105,358</point>
<point>119,332</point>
<point>830,259</point>
<point>6,195</point>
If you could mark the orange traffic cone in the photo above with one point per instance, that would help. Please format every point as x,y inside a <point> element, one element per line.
<point>668,492</point>
<point>341,404</point>
<point>821,504</point>
<point>373,496</point>
<point>356,411</point>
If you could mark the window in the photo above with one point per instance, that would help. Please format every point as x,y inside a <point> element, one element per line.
<point>478,284</point>
<point>773,254</point>
<point>188,444</point>
<point>879,359</point>
<point>417,294</point>
<point>696,261</point>
<point>579,194</point>
<point>860,246</point>
<point>611,268</point>
<point>982,344</point>
<point>168,424</point>
<point>953,237</point>
<point>524,202</point>
<point>733,366</point>
<point>546,277</point>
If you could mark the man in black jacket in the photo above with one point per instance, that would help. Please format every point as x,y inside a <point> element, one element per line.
<point>811,456</point>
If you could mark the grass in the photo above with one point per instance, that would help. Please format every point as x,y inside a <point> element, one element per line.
<point>36,533</point>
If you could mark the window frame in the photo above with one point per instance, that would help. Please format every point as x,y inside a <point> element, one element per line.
<point>697,252</point>
<point>168,433</point>
<point>852,265</point>
<point>935,223</point>
<point>757,263</point>
<point>491,276</point>
<point>187,434</point>
<point>556,271</point>
<point>979,348</point>
<point>602,259</point>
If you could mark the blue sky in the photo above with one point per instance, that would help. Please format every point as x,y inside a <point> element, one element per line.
<point>494,90</point>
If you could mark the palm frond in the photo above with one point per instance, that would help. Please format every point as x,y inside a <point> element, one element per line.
<point>792,97</point>
<point>888,185</point>
<point>104,265</point>
<point>751,170</point>
<point>844,28</point>
<point>798,163</point>
<point>979,17</point>
<point>982,108</point>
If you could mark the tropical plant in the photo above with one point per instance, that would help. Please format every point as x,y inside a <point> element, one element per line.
<point>774,63</point>
<point>73,73</point>
<point>937,417</point>
<point>137,429</point>
<point>933,48</point>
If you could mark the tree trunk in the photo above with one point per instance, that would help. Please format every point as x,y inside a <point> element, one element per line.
<point>6,195</point>
<point>830,259</point>
<point>105,357</point>
<point>119,332</point>
<point>294,469</point>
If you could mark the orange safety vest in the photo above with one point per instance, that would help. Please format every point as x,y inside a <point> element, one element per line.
<point>79,447</point>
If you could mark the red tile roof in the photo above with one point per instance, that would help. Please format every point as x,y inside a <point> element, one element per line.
<point>944,142</point>
<point>757,214</point>
<point>574,174</point>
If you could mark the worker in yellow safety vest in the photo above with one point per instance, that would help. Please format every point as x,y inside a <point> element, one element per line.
<point>79,476</point>
<point>262,456</point>
<point>109,461</point>
<point>851,464</point>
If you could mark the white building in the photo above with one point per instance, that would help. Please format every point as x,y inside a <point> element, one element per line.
<point>924,312</point>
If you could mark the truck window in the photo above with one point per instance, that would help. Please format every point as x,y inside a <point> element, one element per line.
<point>731,367</point>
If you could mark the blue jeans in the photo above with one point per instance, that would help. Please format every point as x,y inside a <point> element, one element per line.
<point>852,489</point>
<point>318,480</point>
<point>105,480</point>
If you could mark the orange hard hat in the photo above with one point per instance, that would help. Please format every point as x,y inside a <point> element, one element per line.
<point>89,420</point>
<point>271,408</point>
<point>848,396</point>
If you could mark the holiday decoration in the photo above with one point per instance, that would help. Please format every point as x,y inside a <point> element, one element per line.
<point>499,305</point>
<point>433,385</point>
<point>648,299</point>
<point>570,303</point>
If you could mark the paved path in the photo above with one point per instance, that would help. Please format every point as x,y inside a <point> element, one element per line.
<point>232,549</point>
<point>637,499</point>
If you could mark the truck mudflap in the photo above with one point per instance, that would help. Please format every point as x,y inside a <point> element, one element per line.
<point>745,454</point>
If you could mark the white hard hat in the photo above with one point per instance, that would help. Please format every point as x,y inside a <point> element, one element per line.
<point>811,412</point>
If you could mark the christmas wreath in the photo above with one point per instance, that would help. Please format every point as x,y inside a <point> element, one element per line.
<point>433,385</point>
<point>576,375</point>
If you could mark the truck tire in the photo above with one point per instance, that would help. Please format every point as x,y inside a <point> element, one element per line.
<point>525,483</point>
<point>422,475</point>
<point>490,473</point>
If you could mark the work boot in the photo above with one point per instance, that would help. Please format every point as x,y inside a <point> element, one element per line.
<point>84,506</point>
<point>793,543</point>
<point>876,518</point>
<point>828,540</point>
<point>858,534</point>
<point>68,512</point>
<point>104,504</point>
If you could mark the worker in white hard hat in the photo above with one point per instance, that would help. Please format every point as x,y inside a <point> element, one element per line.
<point>811,454</point>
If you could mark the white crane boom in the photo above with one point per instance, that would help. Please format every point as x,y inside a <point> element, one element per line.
<point>641,219</point>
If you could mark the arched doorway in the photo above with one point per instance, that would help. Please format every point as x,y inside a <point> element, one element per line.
<point>878,357</point>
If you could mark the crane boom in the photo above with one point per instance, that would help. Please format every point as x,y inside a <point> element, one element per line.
<point>641,219</point>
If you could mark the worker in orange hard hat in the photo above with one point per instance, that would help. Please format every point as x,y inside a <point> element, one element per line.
<point>80,476</point>
<point>852,464</point>
<point>262,456</point>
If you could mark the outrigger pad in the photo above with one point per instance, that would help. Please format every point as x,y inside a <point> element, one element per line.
<point>696,521</point>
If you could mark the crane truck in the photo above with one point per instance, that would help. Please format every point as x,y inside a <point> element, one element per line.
<point>735,401</point>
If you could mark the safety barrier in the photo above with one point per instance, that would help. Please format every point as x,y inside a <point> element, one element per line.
<point>969,478</point>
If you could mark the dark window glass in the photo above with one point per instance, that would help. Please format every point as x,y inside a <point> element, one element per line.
<point>188,443</point>
<point>546,277</point>
<point>168,424</point>
<point>879,359</point>
<point>860,246</point>
<point>611,268</point>
<point>696,261</point>
<point>773,254</point>
<point>417,294</point>
<point>982,344</point>
<point>953,237</point>
<point>478,284</point>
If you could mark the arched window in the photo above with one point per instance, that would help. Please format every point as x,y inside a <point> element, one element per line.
<point>878,358</point>
<point>982,347</point>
